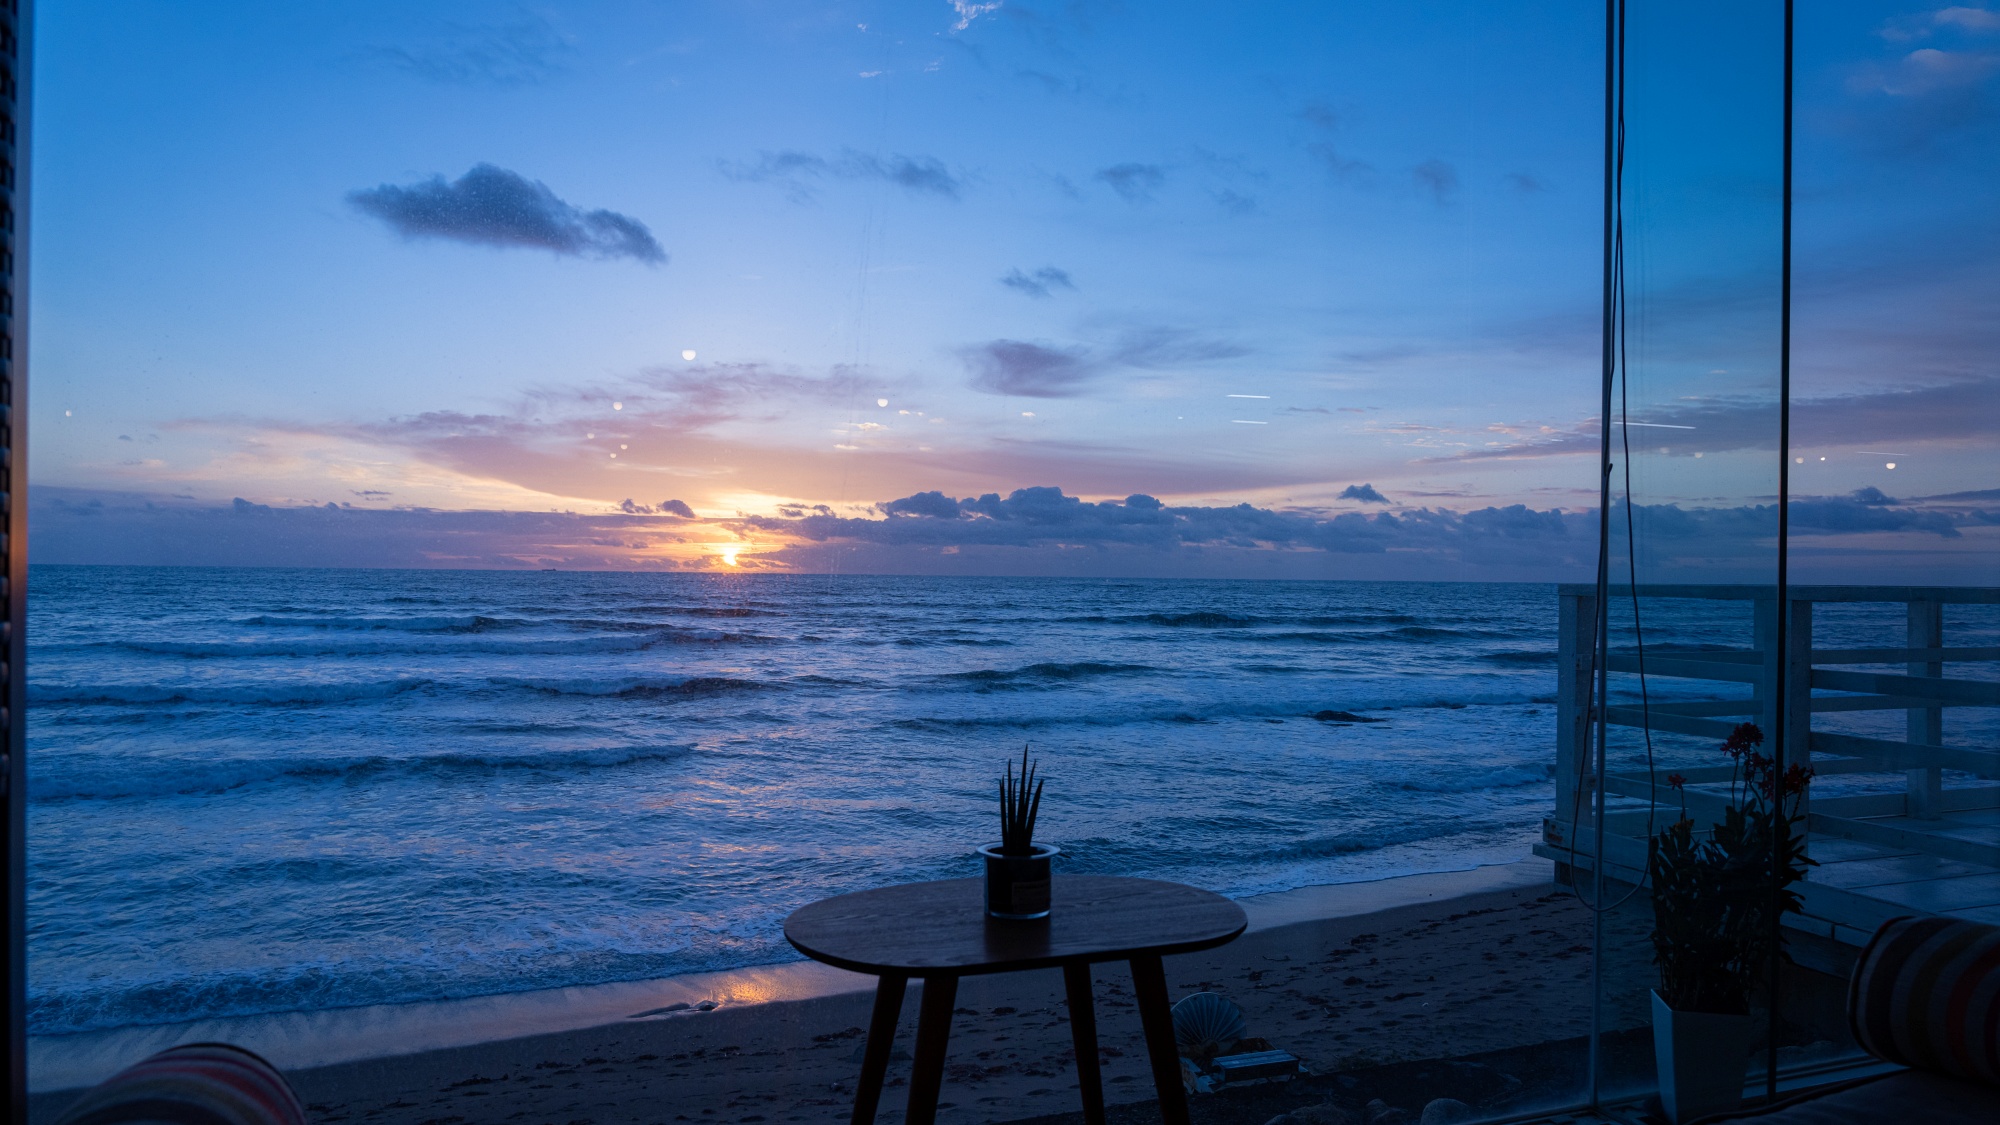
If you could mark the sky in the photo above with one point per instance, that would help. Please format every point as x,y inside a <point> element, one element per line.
<point>1023,287</point>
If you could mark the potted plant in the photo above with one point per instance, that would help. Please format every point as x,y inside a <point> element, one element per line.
<point>1713,926</point>
<point>1017,868</point>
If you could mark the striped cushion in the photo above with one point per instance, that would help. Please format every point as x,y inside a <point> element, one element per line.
<point>193,1084</point>
<point>1926,993</point>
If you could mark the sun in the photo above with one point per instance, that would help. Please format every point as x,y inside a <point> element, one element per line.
<point>729,555</point>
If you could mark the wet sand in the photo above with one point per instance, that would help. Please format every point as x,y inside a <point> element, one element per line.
<point>1442,976</point>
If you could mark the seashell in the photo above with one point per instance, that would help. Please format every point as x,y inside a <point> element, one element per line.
<point>1206,1021</point>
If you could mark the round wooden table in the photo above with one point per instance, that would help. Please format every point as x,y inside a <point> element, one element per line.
<point>939,932</point>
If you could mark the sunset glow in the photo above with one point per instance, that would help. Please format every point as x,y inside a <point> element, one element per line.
<point>1344,291</point>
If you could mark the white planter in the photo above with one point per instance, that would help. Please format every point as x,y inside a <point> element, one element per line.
<point>1702,1058</point>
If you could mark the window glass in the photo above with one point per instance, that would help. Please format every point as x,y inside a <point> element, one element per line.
<point>528,497</point>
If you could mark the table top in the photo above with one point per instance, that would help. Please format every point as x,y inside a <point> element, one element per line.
<point>928,929</point>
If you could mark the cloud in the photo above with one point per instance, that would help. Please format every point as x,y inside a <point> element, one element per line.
<point>1046,516</point>
<point>921,175</point>
<point>1865,510</point>
<point>1968,19</point>
<point>1134,183</point>
<point>1042,283</point>
<point>1957,411</point>
<point>1438,177</point>
<point>1342,167</point>
<point>494,207</point>
<point>1926,71</point>
<point>1907,102</point>
<point>1015,367</point>
<point>935,505</point>
<point>1319,115</point>
<point>1971,21</point>
<point>1036,530</point>
<point>1363,492</point>
<point>711,389</point>
<point>665,508</point>
<point>800,173</point>
<point>1054,84</point>
<point>526,51</point>
<point>969,11</point>
<point>1168,347</point>
<point>1234,202</point>
<point>1982,494</point>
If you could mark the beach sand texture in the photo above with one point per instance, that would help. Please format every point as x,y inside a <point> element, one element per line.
<point>1476,974</point>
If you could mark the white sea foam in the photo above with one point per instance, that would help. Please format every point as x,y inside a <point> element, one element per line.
<point>303,692</point>
<point>1505,777</point>
<point>168,776</point>
<point>302,796</point>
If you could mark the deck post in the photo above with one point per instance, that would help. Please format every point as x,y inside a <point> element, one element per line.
<point>1925,725</point>
<point>1575,644</point>
<point>1764,638</point>
<point>1798,690</point>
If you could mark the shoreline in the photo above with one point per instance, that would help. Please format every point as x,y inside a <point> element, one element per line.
<point>306,1040</point>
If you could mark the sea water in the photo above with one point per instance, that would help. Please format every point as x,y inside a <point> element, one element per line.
<point>273,790</point>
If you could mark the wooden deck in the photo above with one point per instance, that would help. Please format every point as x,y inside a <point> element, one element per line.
<point>1927,841</point>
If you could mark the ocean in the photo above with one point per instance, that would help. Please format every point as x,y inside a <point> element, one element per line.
<point>273,790</point>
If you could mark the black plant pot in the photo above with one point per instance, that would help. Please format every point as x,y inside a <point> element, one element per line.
<point>1017,886</point>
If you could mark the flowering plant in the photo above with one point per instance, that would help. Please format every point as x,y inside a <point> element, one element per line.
<point>1714,893</point>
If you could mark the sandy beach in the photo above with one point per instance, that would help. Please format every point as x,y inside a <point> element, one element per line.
<point>1445,966</point>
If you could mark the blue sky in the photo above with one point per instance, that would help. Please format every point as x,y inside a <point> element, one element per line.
<point>786,263</point>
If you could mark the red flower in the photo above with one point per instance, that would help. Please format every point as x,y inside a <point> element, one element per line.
<point>1745,736</point>
<point>1796,779</point>
<point>1676,780</point>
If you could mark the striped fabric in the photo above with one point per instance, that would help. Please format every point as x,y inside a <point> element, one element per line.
<point>193,1084</point>
<point>1926,993</point>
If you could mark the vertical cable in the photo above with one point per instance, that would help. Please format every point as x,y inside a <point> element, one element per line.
<point>1614,43</point>
<point>1778,685</point>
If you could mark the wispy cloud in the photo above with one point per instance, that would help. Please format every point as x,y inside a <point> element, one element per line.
<point>1342,167</point>
<point>801,173</point>
<point>1975,21</point>
<point>1016,367</point>
<point>495,207</point>
<point>1041,283</point>
<point>1928,71</point>
<point>712,392</point>
<point>1134,183</point>
<point>1981,20</point>
<point>518,53</point>
<point>1234,202</point>
<point>1437,177</point>
<point>1168,347</point>
<point>1319,115</point>
<point>1908,101</point>
<point>969,11</point>
<point>1324,121</point>
<point>1946,412</point>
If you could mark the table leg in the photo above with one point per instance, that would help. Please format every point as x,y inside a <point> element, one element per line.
<point>933,1032</point>
<point>1083,1032</point>
<point>875,1056</point>
<point>1149,982</point>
